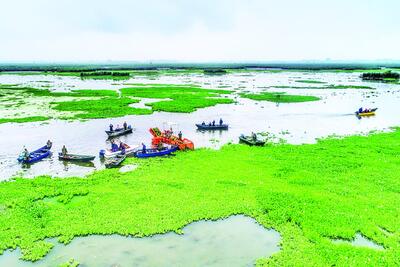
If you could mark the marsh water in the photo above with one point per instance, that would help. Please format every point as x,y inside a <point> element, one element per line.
<point>235,241</point>
<point>294,122</point>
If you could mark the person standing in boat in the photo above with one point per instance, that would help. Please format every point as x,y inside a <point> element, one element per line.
<point>111,127</point>
<point>160,146</point>
<point>180,135</point>
<point>254,136</point>
<point>49,144</point>
<point>213,123</point>
<point>220,122</point>
<point>64,151</point>
<point>144,148</point>
<point>125,126</point>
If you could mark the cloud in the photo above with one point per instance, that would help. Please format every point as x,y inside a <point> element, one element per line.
<point>207,30</point>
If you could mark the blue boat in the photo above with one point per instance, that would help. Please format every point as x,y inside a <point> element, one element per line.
<point>36,155</point>
<point>153,152</point>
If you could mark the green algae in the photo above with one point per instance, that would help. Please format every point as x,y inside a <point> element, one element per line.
<point>94,104</point>
<point>311,194</point>
<point>279,97</point>
<point>309,81</point>
<point>331,86</point>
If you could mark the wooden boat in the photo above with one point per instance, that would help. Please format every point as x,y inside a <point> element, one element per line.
<point>212,127</point>
<point>119,132</point>
<point>251,141</point>
<point>365,114</point>
<point>115,162</point>
<point>108,153</point>
<point>153,152</point>
<point>73,157</point>
<point>36,155</point>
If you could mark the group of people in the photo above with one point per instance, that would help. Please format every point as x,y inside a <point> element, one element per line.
<point>121,147</point>
<point>124,127</point>
<point>213,123</point>
<point>361,110</point>
<point>170,132</point>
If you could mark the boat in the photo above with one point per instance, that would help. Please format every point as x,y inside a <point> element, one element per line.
<point>36,155</point>
<point>166,137</point>
<point>153,152</point>
<point>108,153</point>
<point>251,141</point>
<point>212,127</point>
<point>73,157</point>
<point>369,113</point>
<point>119,132</point>
<point>115,162</point>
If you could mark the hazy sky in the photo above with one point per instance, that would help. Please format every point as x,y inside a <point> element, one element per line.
<point>203,30</point>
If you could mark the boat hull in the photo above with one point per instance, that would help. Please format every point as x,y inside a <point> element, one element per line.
<point>73,157</point>
<point>250,141</point>
<point>155,153</point>
<point>212,128</point>
<point>120,132</point>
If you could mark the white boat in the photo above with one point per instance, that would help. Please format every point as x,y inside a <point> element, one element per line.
<point>108,153</point>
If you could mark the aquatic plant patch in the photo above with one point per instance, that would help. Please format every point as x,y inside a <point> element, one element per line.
<point>279,97</point>
<point>311,194</point>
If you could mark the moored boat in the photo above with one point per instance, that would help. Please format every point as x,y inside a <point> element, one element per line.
<point>115,162</point>
<point>119,132</point>
<point>36,155</point>
<point>251,141</point>
<point>211,127</point>
<point>153,152</point>
<point>74,157</point>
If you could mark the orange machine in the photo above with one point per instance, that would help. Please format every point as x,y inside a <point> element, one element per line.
<point>167,137</point>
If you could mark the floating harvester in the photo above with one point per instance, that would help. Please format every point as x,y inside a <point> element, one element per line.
<point>167,137</point>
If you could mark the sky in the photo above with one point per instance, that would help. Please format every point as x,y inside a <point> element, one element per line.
<point>198,30</point>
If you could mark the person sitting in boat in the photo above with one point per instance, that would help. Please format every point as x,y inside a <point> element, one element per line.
<point>180,135</point>
<point>114,147</point>
<point>125,125</point>
<point>360,110</point>
<point>160,146</point>
<point>203,123</point>
<point>220,122</point>
<point>254,136</point>
<point>209,124</point>
<point>111,127</point>
<point>122,148</point>
<point>213,123</point>
<point>25,154</point>
<point>49,144</point>
<point>144,148</point>
<point>64,151</point>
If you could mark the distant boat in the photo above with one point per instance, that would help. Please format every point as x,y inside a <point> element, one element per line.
<point>212,127</point>
<point>36,155</point>
<point>119,132</point>
<point>73,157</point>
<point>369,113</point>
<point>153,152</point>
<point>251,141</point>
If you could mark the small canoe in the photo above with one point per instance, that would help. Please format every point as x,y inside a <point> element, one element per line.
<point>251,141</point>
<point>115,162</point>
<point>212,127</point>
<point>73,157</point>
<point>36,155</point>
<point>369,113</point>
<point>153,152</point>
<point>119,132</point>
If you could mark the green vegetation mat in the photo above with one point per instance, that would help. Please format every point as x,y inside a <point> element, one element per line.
<point>311,194</point>
<point>42,104</point>
<point>309,81</point>
<point>279,97</point>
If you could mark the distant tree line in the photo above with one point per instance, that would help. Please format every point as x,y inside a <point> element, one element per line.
<point>105,73</point>
<point>380,75</point>
<point>214,71</point>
